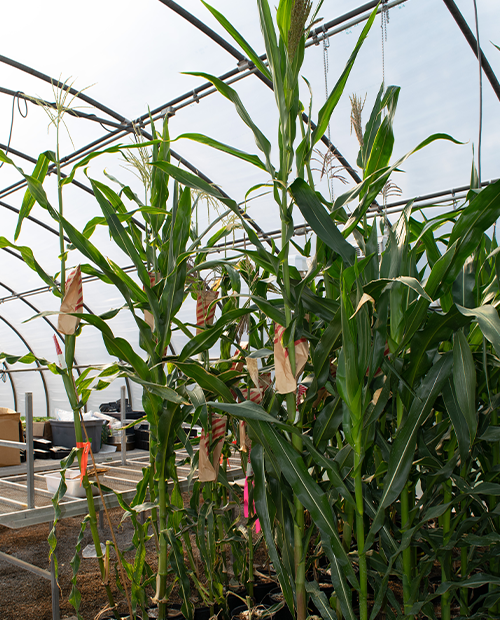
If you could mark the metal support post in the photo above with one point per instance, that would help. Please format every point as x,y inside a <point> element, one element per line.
<point>54,586</point>
<point>123,420</point>
<point>30,458</point>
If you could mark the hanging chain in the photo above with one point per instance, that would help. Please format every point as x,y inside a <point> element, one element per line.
<point>326,45</point>
<point>384,20</point>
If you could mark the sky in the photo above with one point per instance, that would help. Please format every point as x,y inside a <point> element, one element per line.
<point>131,57</point>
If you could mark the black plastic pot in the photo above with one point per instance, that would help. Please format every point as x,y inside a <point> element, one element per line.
<point>261,589</point>
<point>233,601</point>
<point>274,597</point>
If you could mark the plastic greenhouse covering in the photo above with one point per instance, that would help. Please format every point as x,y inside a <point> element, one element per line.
<point>129,58</point>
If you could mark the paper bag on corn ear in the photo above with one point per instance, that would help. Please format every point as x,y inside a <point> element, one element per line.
<point>208,464</point>
<point>238,359</point>
<point>72,302</point>
<point>204,311</point>
<point>256,394</point>
<point>286,382</point>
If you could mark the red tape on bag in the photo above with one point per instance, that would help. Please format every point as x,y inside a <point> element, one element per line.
<point>85,445</point>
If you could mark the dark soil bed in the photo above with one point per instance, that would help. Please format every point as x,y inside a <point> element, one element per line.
<point>25,596</point>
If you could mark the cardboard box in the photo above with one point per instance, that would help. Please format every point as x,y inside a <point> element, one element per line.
<point>11,430</point>
<point>42,429</point>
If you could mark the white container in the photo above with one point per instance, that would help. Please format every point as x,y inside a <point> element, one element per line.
<point>72,482</point>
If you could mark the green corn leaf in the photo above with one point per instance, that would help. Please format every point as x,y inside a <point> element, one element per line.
<point>381,148</point>
<point>249,410</point>
<point>326,309</point>
<point>331,467</point>
<point>320,600</point>
<point>39,173</point>
<point>30,260</point>
<point>273,55</point>
<point>371,129</point>
<point>210,335</point>
<point>316,502</point>
<point>488,321</point>
<point>327,110</point>
<point>438,328</point>
<point>224,148</point>
<point>327,422</point>
<point>457,419</point>
<point>190,180</point>
<point>262,507</point>
<point>180,571</point>
<point>260,139</point>
<point>123,283</point>
<point>463,287</point>
<point>159,180</point>
<point>464,380</point>
<point>118,347</point>
<point>403,448</point>
<point>320,221</point>
<point>109,201</point>
<point>269,309</point>
<point>322,351</point>
<point>205,379</point>
<point>283,18</point>
<point>245,46</point>
<point>374,183</point>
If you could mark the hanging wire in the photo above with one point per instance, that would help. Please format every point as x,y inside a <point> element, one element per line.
<point>384,20</point>
<point>480,95</point>
<point>480,130</point>
<point>17,97</point>
<point>326,68</point>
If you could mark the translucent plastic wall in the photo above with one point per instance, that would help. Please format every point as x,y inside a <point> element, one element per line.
<point>128,56</point>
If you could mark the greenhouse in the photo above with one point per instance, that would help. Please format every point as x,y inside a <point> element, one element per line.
<point>249,329</point>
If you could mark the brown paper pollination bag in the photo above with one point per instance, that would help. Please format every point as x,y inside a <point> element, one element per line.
<point>257,394</point>
<point>209,463</point>
<point>72,302</point>
<point>204,311</point>
<point>286,382</point>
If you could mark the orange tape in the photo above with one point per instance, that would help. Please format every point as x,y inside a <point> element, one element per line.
<point>85,445</point>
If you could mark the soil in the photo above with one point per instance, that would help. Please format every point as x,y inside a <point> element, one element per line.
<point>26,596</point>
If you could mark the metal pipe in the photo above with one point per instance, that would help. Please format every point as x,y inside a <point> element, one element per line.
<point>36,361</point>
<point>61,85</point>
<point>240,58</point>
<point>32,219</point>
<point>471,40</point>
<point>7,443</point>
<point>22,564</point>
<point>123,421</point>
<point>329,29</point>
<point>204,28</point>
<point>447,192</point>
<point>30,457</point>
<point>19,184</point>
<point>51,104</point>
